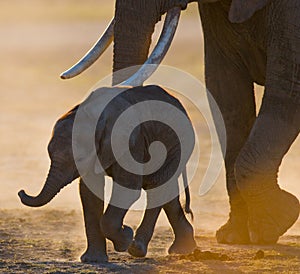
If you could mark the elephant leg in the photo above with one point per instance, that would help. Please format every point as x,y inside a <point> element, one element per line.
<point>144,233</point>
<point>184,241</point>
<point>114,230</point>
<point>112,226</point>
<point>229,83</point>
<point>92,211</point>
<point>271,210</point>
<point>238,111</point>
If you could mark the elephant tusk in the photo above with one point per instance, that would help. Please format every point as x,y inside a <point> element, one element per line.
<point>160,50</point>
<point>93,54</point>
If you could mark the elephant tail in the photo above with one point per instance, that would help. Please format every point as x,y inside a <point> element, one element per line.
<point>187,207</point>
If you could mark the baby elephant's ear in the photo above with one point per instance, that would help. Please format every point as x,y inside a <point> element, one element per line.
<point>242,10</point>
<point>120,136</point>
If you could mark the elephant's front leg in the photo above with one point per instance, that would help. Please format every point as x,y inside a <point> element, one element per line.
<point>92,211</point>
<point>235,99</point>
<point>271,210</point>
<point>231,85</point>
<point>144,233</point>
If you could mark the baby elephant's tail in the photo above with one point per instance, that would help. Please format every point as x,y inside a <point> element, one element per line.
<point>187,207</point>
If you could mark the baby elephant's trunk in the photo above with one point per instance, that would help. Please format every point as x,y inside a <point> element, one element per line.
<point>187,207</point>
<point>52,186</point>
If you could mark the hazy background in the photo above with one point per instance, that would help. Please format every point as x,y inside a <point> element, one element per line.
<point>39,40</point>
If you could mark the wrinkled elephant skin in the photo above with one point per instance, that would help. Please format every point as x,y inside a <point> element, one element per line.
<point>100,226</point>
<point>246,42</point>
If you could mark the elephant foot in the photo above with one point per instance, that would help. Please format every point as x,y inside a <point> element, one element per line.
<point>271,215</point>
<point>123,240</point>
<point>137,249</point>
<point>183,245</point>
<point>94,256</point>
<point>233,232</point>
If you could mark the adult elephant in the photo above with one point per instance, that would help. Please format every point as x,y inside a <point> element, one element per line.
<point>246,42</point>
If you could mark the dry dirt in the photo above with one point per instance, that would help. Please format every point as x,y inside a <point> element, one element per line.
<point>51,241</point>
<point>39,39</point>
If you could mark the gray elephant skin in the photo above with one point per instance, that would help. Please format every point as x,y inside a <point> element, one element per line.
<point>246,42</point>
<point>109,224</point>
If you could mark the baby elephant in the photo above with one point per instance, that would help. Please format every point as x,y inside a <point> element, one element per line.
<point>142,138</point>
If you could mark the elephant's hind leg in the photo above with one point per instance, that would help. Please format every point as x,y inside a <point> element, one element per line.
<point>92,211</point>
<point>114,230</point>
<point>139,246</point>
<point>184,233</point>
<point>112,226</point>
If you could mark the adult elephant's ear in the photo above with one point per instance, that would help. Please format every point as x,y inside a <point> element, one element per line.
<point>242,10</point>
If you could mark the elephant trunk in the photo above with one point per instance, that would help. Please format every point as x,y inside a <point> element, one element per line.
<point>134,25</point>
<point>54,183</point>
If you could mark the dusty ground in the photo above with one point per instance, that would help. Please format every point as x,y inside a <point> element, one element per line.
<point>39,39</point>
<point>51,241</point>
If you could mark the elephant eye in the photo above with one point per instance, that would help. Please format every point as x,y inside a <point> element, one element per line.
<point>50,147</point>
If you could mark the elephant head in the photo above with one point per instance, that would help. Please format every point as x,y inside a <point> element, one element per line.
<point>74,152</point>
<point>63,169</point>
<point>132,28</point>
